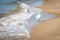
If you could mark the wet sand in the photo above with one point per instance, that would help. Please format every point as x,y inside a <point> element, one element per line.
<point>49,29</point>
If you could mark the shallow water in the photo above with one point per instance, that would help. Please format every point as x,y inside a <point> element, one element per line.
<point>32,3</point>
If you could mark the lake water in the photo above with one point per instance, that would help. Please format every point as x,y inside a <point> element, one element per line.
<point>5,6</point>
<point>6,1</point>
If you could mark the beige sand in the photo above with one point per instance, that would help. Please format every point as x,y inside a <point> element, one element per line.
<point>50,29</point>
<point>52,7</point>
